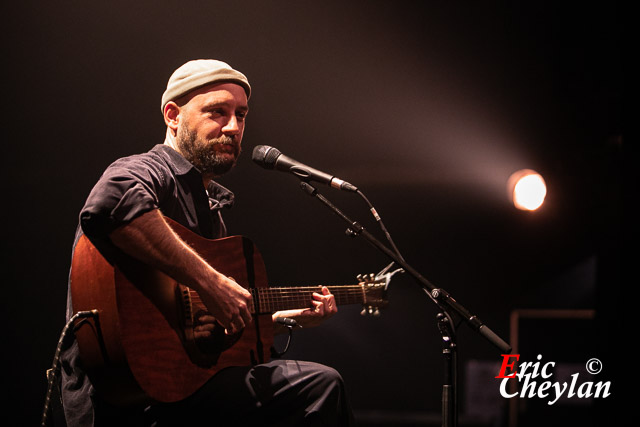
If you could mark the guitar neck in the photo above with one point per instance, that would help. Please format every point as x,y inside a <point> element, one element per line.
<point>270,300</point>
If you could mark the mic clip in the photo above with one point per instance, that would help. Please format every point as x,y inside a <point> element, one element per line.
<point>289,324</point>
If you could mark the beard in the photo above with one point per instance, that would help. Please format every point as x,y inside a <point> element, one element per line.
<point>215,156</point>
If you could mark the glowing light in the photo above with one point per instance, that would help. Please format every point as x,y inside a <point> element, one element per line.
<point>527,189</point>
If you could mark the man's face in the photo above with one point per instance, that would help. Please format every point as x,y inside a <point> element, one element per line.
<point>210,131</point>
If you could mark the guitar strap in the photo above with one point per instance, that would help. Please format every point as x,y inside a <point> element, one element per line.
<point>248,253</point>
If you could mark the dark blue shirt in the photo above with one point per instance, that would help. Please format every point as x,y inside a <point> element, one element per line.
<point>131,186</point>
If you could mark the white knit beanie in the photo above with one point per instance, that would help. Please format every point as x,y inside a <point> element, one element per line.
<point>198,73</point>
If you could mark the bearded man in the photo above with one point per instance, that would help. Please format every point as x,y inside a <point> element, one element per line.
<point>204,106</point>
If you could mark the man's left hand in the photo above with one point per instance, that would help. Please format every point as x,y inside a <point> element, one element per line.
<point>323,307</point>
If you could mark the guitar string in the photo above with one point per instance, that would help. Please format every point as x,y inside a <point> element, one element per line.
<point>275,298</point>
<point>300,295</point>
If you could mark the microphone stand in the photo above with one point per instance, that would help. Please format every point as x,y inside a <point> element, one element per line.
<point>441,298</point>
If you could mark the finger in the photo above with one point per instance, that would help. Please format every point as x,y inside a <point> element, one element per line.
<point>231,327</point>
<point>245,317</point>
<point>329,300</point>
<point>228,328</point>
<point>202,334</point>
<point>244,312</point>
<point>331,305</point>
<point>205,327</point>
<point>318,307</point>
<point>321,298</point>
<point>323,291</point>
<point>239,324</point>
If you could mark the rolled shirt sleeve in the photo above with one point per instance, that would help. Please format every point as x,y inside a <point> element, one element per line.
<point>127,189</point>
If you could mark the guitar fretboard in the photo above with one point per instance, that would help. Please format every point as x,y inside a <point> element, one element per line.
<point>270,300</point>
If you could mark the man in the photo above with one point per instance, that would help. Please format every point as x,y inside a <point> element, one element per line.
<point>204,107</point>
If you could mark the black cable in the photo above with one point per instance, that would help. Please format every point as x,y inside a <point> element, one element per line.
<point>289,324</point>
<point>378,219</point>
<point>55,368</point>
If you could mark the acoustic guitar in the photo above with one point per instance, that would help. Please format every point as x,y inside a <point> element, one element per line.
<point>141,347</point>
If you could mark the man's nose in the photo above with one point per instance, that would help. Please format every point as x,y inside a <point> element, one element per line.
<point>232,126</point>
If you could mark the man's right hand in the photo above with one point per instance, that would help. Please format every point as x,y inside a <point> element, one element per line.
<point>228,302</point>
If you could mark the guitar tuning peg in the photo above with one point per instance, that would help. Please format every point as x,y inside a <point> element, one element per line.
<point>359,277</point>
<point>371,277</point>
<point>370,310</point>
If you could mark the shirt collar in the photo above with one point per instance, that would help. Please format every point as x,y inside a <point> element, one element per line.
<point>179,164</point>
<point>219,196</point>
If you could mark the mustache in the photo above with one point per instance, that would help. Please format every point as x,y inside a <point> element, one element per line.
<point>224,140</point>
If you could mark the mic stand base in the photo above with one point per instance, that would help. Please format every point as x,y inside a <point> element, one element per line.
<point>449,386</point>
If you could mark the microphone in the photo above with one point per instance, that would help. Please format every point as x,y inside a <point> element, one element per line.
<point>272,158</point>
<point>286,321</point>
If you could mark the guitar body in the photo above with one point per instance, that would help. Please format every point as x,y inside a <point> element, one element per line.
<point>142,346</point>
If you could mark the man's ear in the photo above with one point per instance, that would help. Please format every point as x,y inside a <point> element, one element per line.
<point>172,115</point>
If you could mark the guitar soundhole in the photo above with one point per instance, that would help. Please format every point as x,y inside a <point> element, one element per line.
<point>213,342</point>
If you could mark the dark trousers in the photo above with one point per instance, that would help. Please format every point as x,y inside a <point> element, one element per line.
<point>278,393</point>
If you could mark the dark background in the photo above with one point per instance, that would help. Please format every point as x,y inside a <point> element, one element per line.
<point>427,107</point>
